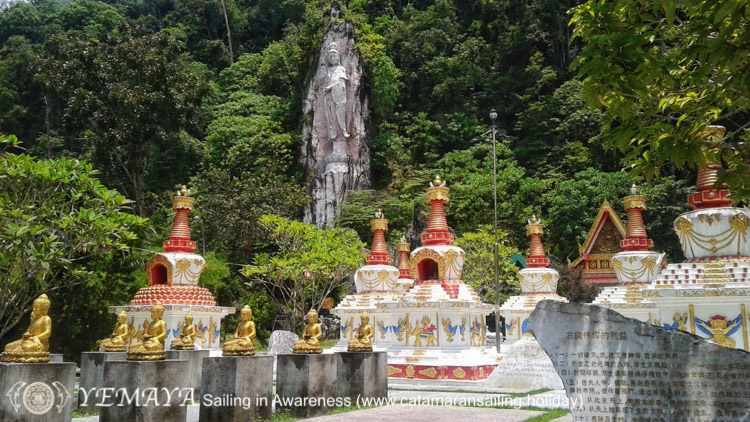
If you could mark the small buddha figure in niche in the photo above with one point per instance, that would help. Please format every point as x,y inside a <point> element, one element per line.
<point>310,343</point>
<point>151,345</point>
<point>118,340</point>
<point>186,339</point>
<point>34,345</point>
<point>362,342</point>
<point>242,343</point>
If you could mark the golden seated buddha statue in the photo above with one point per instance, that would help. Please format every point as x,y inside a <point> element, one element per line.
<point>242,343</point>
<point>186,339</point>
<point>362,342</point>
<point>151,345</point>
<point>310,343</point>
<point>34,345</point>
<point>118,340</point>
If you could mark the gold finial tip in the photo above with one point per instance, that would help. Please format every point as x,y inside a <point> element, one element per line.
<point>533,219</point>
<point>379,214</point>
<point>403,239</point>
<point>437,182</point>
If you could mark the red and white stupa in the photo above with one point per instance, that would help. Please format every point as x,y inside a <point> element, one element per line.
<point>538,282</point>
<point>173,277</point>
<point>432,325</point>
<point>709,293</point>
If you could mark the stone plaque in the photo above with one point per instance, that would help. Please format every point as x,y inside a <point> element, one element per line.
<point>616,368</point>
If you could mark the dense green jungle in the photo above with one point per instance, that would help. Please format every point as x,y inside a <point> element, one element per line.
<point>107,107</point>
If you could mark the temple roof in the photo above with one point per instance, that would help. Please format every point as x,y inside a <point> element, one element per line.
<point>606,214</point>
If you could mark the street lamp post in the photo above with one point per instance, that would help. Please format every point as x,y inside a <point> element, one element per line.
<point>493,118</point>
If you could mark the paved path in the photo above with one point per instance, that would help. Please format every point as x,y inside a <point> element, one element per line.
<point>431,413</point>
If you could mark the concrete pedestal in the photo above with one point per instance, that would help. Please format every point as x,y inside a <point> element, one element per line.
<point>56,357</point>
<point>306,384</point>
<point>361,375</point>
<point>239,388</point>
<point>195,363</point>
<point>146,391</point>
<point>36,392</point>
<point>92,378</point>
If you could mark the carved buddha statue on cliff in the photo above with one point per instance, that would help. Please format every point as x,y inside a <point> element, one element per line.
<point>151,345</point>
<point>118,340</point>
<point>186,339</point>
<point>34,345</point>
<point>242,343</point>
<point>334,94</point>
<point>362,342</point>
<point>310,343</point>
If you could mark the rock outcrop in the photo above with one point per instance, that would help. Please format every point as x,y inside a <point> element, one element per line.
<point>335,150</point>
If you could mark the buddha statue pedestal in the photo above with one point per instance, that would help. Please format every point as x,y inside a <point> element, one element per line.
<point>195,365</point>
<point>249,377</point>
<point>311,375</point>
<point>362,374</point>
<point>92,378</point>
<point>37,392</point>
<point>157,391</point>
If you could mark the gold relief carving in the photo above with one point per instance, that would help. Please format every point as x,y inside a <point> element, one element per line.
<point>424,332</point>
<point>459,373</point>
<point>400,332</point>
<point>409,371</point>
<point>681,320</point>
<point>481,372</point>
<point>683,225</point>
<point>159,259</point>
<point>348,328</point>
<point>738,225</point>
<point>412,360</point>
<point>739,222</point>
<point>709,218</point>
<point>446,327</point>
<point>429,372</point>
<point>184,274</point>
<point>463,328</point>
<point>381,327</point>
<point>419,352</point>
<point>392,370</point>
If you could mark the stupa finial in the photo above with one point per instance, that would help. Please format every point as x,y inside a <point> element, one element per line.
<point>179,237</point>
<point>535,230</point>
<point>636,238</point>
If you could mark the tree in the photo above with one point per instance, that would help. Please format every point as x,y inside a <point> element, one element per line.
<point>479,265</point>
<point>57,224</point>
<point>664,70</point>
<point>126,99</point>
<point>231,205</point>
<point>309,265</point>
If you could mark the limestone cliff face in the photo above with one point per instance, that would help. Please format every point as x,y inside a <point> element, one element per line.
<point>335,149</point>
